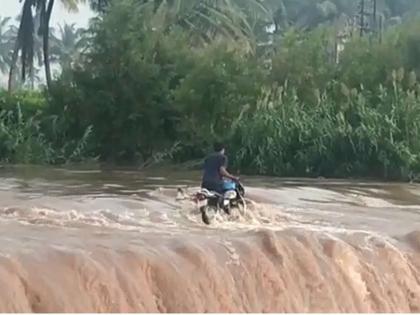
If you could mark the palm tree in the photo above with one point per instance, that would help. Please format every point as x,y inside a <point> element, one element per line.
<point>207,19</point>
<point>67,46</point>
<point>6,35</point>
<point>32,24</point>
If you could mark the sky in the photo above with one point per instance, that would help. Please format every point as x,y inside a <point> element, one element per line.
<point>59,16</point>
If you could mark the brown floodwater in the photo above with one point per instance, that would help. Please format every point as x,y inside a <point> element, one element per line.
<point>86,240</point>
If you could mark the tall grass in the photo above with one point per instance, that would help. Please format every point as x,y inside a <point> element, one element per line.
<point>361,134</point>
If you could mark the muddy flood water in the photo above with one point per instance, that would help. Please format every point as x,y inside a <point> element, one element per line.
<point>125,241</point>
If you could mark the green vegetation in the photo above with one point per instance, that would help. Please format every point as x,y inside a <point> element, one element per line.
<point>155,80</point>
<point>29,135</point>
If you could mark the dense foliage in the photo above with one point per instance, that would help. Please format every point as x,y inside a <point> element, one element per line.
<point>143,89</point>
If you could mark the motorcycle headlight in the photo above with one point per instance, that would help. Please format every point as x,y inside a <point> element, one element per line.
<point>230,194</point>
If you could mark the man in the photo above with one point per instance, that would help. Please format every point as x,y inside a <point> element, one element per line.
<point>215,170</point>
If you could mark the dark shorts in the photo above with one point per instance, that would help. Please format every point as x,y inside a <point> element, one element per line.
<point>211,186</point>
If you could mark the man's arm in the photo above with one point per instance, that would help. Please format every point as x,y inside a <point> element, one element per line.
<point>223,169</point>
<point>226,174</point>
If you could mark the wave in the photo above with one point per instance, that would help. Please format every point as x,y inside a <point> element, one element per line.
<point>164,210</point>
<point>72,218</point>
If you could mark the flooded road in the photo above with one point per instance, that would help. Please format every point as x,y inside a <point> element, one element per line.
<point>126,241</point>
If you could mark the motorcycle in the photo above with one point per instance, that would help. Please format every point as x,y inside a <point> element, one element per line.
<point>210,201</point>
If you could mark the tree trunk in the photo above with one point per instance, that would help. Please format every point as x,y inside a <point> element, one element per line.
<point>46,47</point>
<point>15,57</point>
<point>26,6</point>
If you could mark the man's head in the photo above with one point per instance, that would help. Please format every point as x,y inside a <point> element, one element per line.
<point>219,147</point>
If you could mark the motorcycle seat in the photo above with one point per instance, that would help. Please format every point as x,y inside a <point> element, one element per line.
<point>208,193</point>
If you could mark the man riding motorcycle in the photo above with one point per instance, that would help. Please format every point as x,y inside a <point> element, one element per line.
<point>215,170</point>
<point>220,189</point>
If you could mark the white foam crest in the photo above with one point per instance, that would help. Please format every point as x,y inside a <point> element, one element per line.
<point>72,218</point>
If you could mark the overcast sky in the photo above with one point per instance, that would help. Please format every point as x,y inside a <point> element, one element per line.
<point>59,16</point>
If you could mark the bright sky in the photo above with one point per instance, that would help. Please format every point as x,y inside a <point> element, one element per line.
<point>59,16</point>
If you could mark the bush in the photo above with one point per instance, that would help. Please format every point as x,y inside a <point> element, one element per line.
<point>28,135</point>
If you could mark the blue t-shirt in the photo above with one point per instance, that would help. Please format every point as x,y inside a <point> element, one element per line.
<point>212,166</point>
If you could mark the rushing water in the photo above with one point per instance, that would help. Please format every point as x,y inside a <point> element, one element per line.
<point>124,241</point>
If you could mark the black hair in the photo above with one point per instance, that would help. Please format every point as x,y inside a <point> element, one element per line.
<point>218,146</point>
